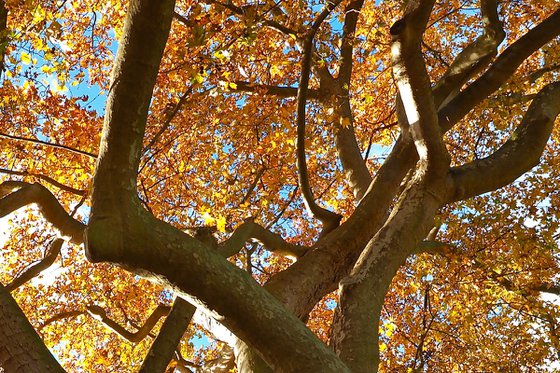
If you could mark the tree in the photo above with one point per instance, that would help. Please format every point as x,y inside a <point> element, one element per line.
<point>345,186</point>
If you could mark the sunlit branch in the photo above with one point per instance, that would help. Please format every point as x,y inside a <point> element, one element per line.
<point>500,71</point>
<point>414,86</point>
<point>474,57</point>
<point>271,241</point>
<point>351,13</point>
<point>50,144</point>
<point>46,178</point>
<point>519,154</point>
<point>224,363</point>
<point>329,219</point>
<point>49,206</point>
<point>35,269</point>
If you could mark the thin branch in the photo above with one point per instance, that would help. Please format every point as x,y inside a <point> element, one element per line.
<point>500,71</point>
<point>100,314</point>
<point>4,35</point>
<point>242,11</point>
<point>48,179</point>
<point>170,117</point>
<point>60,316</point>
<point>272,241</point>
<point>474,57</point>
<point>35,269</point>
<point>253,185</point>
<point>50,144</point>
<point>329,219</point>
<point>51,209</point>
<point>519,154</point>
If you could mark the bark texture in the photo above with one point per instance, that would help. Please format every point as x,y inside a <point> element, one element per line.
<point>21,348</point>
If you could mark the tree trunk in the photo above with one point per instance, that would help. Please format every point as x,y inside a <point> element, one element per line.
<point>21,348</point>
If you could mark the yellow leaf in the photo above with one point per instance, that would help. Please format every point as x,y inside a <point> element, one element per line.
<point>274,70</point>
<point>382,347</point>
<point>25,58</point>
<point>232,85</point>
<point>208,219</point>
<point>221,223</point>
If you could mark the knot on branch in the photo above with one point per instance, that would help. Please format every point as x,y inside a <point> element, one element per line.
<point>398,27</point>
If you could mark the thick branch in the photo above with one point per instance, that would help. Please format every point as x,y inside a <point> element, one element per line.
<point>51,209</point>
<point>500,71</point>
<point>169,336</point>
<point>474,57</point>
<point>318,272</point>
<point>329,219</point>
<point>414,87</point>
<point>39,267</point>
<point>272,241</point>
<point>355,331</point>
<point>519,154</point>
<point>122,232</point>
<point>21,348</point>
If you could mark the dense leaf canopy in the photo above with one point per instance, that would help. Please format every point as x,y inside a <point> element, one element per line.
<point>383,160</point>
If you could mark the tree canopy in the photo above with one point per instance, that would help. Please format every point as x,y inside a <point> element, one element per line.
<point>279,185</point>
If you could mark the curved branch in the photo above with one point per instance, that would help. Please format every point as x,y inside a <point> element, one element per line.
<point>122,232</point>
<point>21,348</point>
<point>519,154</point>
<point>272,241</point>
<point>37,268</point>
<point>100,314</point>
<point>500,71</point>
<point>329,219</point>
<point>474,57</point>
<point>51,209</point>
